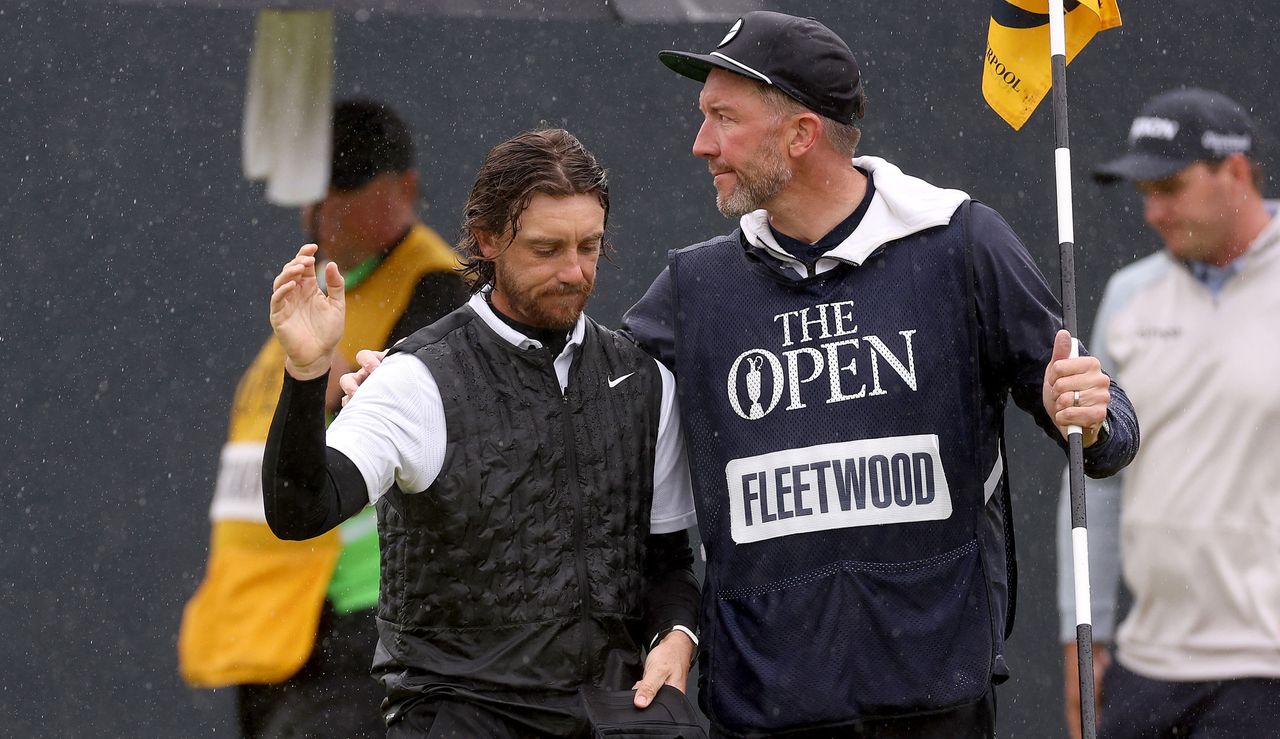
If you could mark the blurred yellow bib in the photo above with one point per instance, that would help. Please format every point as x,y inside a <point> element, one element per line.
<point>254,617</point>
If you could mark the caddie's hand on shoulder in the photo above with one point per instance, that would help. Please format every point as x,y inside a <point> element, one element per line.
<point>307,322</point>
<point>1076,390</point>
<point>369,360</point>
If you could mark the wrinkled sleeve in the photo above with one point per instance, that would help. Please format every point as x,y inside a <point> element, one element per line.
<point>671,590</point>
<point>1019,316</point>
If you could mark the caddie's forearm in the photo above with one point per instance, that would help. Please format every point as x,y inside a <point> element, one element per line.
<point>671,589</point>
<point>307,487</point>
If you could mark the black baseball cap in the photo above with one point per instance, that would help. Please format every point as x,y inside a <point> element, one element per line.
<point>369,139</point>
<point>799,56</point>
<point>1176,129</point>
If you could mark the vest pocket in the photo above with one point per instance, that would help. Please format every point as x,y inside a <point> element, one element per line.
<point>852,640</point>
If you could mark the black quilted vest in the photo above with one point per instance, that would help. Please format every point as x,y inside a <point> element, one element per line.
<point>520,567</point>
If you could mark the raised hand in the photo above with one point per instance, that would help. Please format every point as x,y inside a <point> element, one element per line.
<point>307,322</point>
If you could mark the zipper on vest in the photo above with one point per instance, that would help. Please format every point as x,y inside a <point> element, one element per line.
<point>579,533</point>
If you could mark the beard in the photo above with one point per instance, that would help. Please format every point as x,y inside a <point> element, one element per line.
<point>767,176</point>
<point>552,307</point>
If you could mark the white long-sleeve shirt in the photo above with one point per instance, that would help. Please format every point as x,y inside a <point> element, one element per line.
<point>394,428</point>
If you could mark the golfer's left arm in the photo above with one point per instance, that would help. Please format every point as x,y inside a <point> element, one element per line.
<point>671,589</point>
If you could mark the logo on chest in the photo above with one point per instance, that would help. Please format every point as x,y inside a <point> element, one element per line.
<point>1158,333</point>
<point>822,358</point>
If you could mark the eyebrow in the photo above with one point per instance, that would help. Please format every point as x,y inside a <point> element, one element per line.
<point>540,240</point>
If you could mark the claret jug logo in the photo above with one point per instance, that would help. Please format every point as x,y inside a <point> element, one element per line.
<point>820,357</point>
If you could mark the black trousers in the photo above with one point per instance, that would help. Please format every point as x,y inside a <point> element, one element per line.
<point>491,715</point>
<point>977,721</point>
<point>333,695</point>
<point>457,714</point>
<point>1136,707</point>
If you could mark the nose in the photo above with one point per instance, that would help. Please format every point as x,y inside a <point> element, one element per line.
<point>704,143</point>
<point>573,269</point>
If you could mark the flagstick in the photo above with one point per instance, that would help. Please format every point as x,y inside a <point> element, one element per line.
<point>1075,436</point>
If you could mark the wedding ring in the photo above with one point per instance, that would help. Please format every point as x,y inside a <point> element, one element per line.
<point>1075,398</point>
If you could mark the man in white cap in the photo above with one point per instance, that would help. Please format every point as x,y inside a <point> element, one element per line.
<point>1191,333</point>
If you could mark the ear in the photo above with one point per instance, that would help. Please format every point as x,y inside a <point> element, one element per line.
<point>1240,169</point>
<point>306,218</point>
<point>803,133</point>
<point>407,184</point>
<point>489,248</point>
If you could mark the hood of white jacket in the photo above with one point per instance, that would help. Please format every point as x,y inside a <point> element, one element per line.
<point>901,205</point>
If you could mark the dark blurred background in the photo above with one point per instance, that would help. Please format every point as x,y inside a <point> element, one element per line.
<point>136,262</point>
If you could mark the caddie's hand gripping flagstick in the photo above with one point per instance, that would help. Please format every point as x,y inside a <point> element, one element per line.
<point>1075,435</point>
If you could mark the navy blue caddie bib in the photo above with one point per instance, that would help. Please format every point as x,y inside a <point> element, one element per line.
<point>839,468</point>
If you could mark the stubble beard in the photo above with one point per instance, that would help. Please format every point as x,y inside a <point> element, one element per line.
<point>755,188</point>
<point>543,307</point>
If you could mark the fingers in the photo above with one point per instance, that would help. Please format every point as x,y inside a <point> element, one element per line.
<point>1077,391</point>
<point>1080,391</point>
<point>648,686</point>
<point>369,360</point>
<point>667,664</point>
<point>1062,364</point>
<point>301,266</point>
<point>1061,346</point>
<point>1082,399</point>
<point>334,283</point>
<point>350,383</point>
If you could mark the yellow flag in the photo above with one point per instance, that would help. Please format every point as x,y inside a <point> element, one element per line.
<point>1017,70</point>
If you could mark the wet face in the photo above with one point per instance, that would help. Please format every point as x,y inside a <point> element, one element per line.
<point>741,139</point>
<point>1193,211</point>
<point>544,275</point>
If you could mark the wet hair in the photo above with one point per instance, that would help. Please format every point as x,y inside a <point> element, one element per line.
<point>369,139</point>
<point>548,161</point>
<point>843,137</point>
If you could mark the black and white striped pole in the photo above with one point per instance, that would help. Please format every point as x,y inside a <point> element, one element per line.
<point>1075,435</point>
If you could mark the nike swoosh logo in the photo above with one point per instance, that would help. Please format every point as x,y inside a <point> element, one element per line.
<point>615,382</point>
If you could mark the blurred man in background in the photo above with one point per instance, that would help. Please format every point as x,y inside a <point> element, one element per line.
<point>1191,332</point>
<point>291,624</point>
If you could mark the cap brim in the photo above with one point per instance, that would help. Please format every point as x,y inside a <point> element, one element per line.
<point>695,66</point>
<point>1135,167</point>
